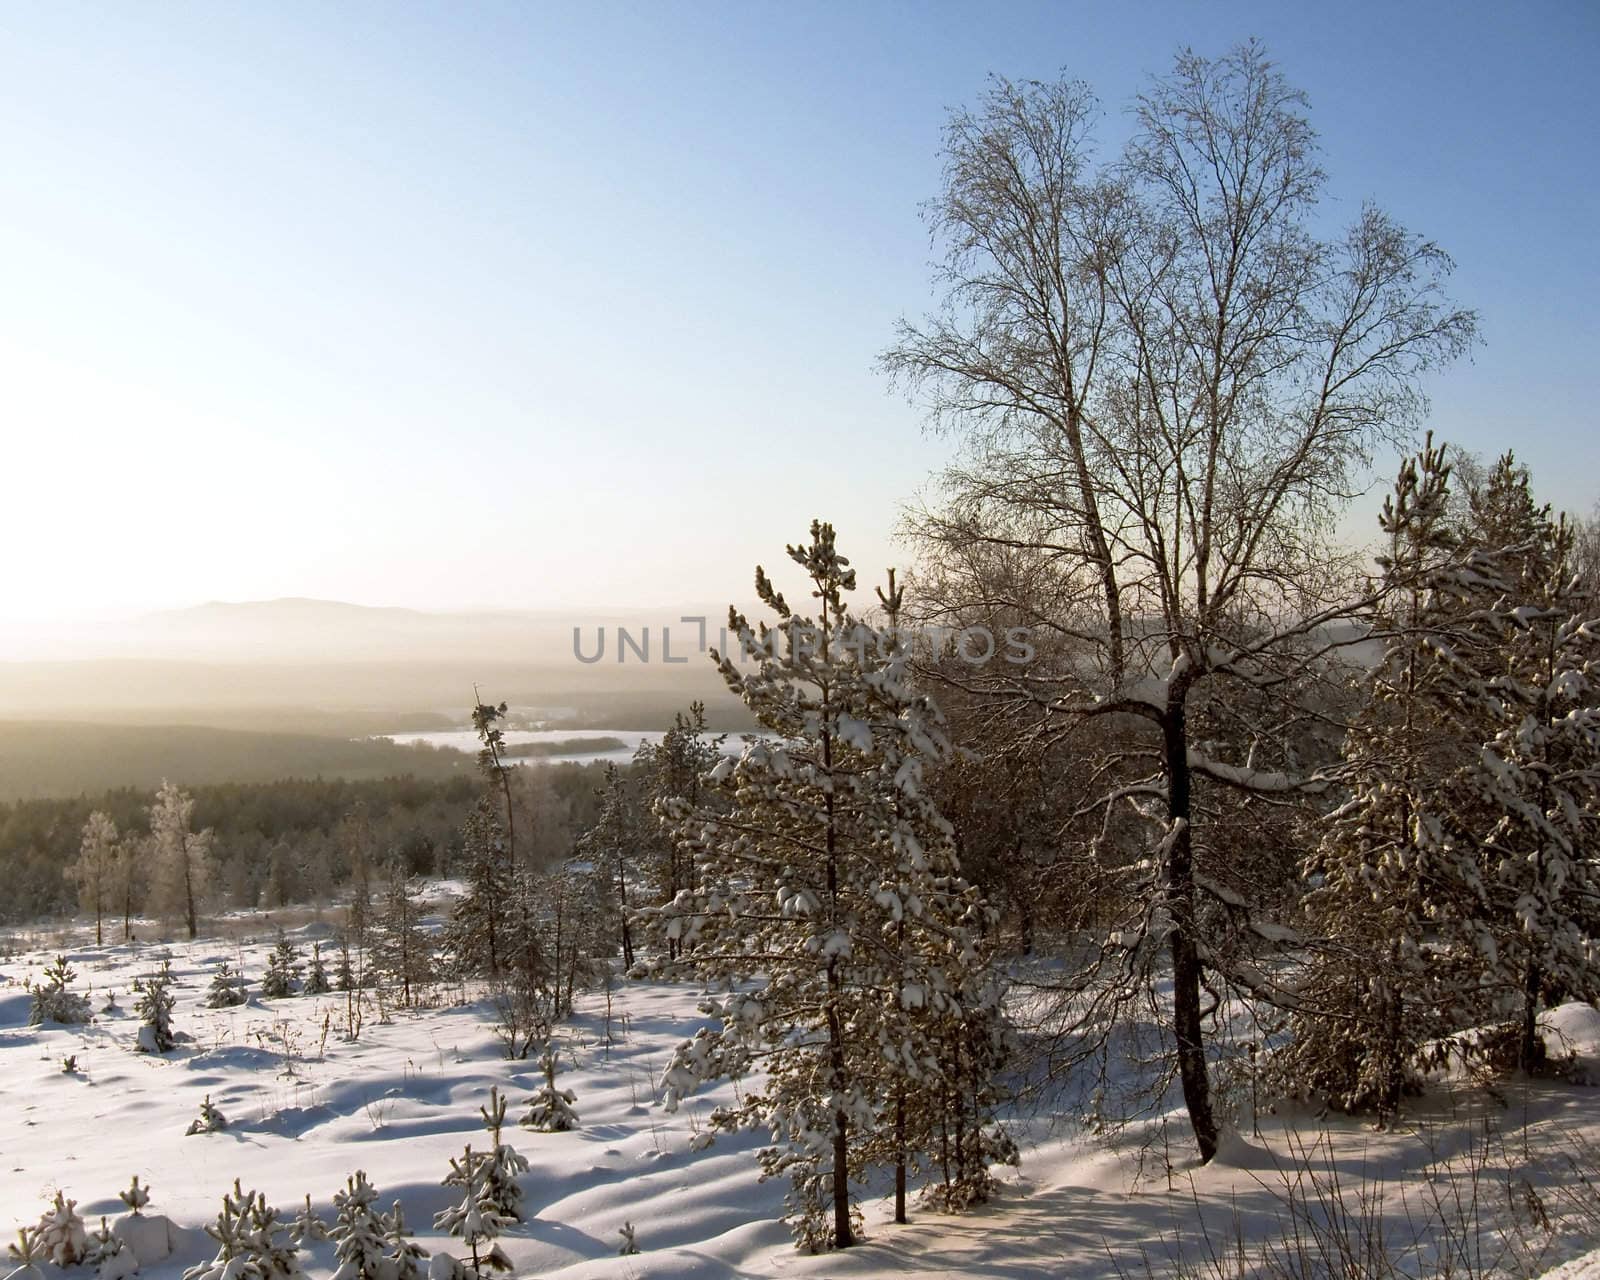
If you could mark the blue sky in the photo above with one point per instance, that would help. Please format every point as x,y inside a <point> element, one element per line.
<point>526,305</point>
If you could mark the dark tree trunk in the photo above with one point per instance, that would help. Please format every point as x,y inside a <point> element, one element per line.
<point>1185,954</point>
<point>1528,1050</point>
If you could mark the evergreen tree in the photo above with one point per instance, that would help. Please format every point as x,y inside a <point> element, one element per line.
<point>283,970</point>
<point>822,865</point>
<point>505,1165</point>
<point>307,1227</point>
<point>402,951</point>
<point>210,1120</point>
<point>405,1256</point>
<point>476,935</point>
<point>136,1197</point>
<point>358,1232</point>
<point>669,771</point>
<point>611,844</point>
<point>60,1236</point>
<point>1398,896</point>
<point>154,1007</point>
<point>53,1001</point>
<point>250,1243</point>
<point>317,983</point>
<point>475,1218</point>
<point>1538,770</point>
<point>227,988</point>
<point>551,1109</point>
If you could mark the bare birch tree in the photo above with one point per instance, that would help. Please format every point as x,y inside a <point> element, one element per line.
<point>1166,382</point>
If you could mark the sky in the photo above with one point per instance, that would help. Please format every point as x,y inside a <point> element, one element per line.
<point>539,306</point>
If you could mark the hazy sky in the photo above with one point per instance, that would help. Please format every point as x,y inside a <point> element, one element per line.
<point>525,305</point>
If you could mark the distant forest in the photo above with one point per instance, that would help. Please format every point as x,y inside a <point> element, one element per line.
<point>287,840</point>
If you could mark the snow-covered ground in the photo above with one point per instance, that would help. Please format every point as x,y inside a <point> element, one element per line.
<point>306,1108</point>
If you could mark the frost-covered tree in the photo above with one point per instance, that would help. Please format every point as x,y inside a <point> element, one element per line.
<point>282,975</point>
<point>182,857</point>
<point>27,1254</point>
<point>108,1255</point>
<point>823,869</point>
<point>94,870</point>
<point>486,720</point>
<point>53,1000</point>
<point>1166,377</point>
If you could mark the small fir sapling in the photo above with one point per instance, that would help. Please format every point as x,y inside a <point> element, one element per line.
<point>344,975</point>
<point>475,1219</point>
<point>551,1110</point>
<point>60,1236</point>
<point>135,1197</point>
<point>69,1064</point>
<point>283,970</point>
<point>630,1242</point>
<point>405,1257</point>
<point>54,1002</point>
<point>227,988</point>
<point>357,1231</point>
<point>317,983</point>
<point>111,1259</point>
<point>27,1254</point>
<point>307,1226</point>
<point>505,1192</point>
<point>155,1009</point>
<point>247,1233</point>
<point>210,1120</point>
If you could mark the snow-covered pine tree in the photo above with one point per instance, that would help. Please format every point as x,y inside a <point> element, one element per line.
<point>307,1227</point>
<point>109,1256</point>
<point>345,974</point>
<point>551,1109</point>
<point>227,988</point>
<point>282,975</point>
<point>135,1197</point>
<point>1395,882</point>
<point>612,844</point>
<point>249,1241</point>
<point>210,1120</point>
<point>154,1007</point>
<point>475,1218</point>
<point>54,1001</point>
<point>822,866</point>
<point>1538,771</point>
<point>402,951</point>
<point>317,983</point>
<point>476,938</point>
<point>26,1254</point>
<point>505,1164</point>
<point>357,1231</point>
<point>670,770</point>
<point>60,1236</point>
<point>405,1256</point>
